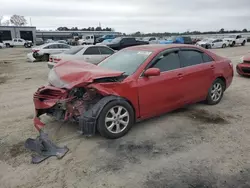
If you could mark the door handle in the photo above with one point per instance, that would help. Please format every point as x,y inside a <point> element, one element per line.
<point>212,66</point>
<point>180,75</point>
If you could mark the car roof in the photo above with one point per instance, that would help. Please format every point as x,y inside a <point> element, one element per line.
<point>159,47</point>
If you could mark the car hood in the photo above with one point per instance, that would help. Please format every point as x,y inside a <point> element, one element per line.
<point>81,73</point>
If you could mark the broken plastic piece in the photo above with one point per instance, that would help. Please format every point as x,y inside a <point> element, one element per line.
<point>44,148</point>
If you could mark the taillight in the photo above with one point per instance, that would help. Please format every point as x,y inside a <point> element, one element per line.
<point>56,60</point>
<point>35,51</point>
<point>50,60</point>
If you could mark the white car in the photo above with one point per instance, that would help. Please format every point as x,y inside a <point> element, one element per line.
<point>213,43</point>
<point>88,53</point>
<point>236,40</point>
<point>1,45</point>
<point>18,42</point>
<point>44,51</point>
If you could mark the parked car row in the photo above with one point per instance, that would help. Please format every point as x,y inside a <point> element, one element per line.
<point>231,41</point>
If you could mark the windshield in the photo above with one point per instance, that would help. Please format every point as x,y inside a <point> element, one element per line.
<point>74,50</point>
<point>118,39</point>
<point>126,61</point>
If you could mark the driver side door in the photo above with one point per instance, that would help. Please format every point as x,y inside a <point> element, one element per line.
<point>163,93</point>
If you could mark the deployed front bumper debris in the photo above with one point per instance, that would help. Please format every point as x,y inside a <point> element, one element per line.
<point>44,148</point>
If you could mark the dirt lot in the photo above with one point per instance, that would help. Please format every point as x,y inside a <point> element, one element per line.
<point>196,147</point>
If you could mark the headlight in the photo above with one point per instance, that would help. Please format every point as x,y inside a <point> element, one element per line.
<point>55,81</point>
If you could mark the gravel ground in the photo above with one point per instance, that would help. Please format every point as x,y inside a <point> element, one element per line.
<point>198,146</point>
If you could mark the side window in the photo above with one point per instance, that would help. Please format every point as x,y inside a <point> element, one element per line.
<point>63,46</point>
<point>92,51</point>
<point>20,40</point>
<point>15,40</point>
<point>190,58</point>
<point>53,46</point>
<point>206,58</point>
<point>169,62</point>
<point>105,50</point>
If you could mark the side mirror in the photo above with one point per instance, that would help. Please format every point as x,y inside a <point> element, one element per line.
<point>152,72</point>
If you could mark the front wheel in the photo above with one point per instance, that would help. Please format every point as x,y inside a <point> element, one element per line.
<point>224,46</point>
<point>243,43</point>
<point>115,119</point>
<point>215,92</point>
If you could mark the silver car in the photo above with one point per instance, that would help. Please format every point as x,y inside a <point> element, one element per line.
<point>88,53</point>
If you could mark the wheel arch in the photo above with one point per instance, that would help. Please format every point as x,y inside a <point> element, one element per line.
<point>88,121</point>
<point>222,78</point>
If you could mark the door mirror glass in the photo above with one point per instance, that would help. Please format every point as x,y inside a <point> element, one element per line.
<point>152,72</point>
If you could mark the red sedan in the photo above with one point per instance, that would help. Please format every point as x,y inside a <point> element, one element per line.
<point>133,84</point>
<point>243,68</point>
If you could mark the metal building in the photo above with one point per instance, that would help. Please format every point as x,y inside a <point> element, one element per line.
<point>10,32</point>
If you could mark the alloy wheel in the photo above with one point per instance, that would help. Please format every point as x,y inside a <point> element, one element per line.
<point>117,119</point>
<point>216,92</point>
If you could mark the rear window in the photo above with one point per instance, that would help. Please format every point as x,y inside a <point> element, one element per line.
<point>74,50</point>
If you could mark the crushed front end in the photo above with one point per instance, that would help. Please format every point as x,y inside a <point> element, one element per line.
<point>64,105</point>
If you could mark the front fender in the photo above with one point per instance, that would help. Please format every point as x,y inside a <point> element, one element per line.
<point>88,121</point>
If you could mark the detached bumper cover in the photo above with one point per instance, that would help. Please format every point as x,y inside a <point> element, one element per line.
<point>44,148</point>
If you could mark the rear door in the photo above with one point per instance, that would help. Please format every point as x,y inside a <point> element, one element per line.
<point>15,42</point>
<point>105,52</point>
<point>159,94</point>
<point>198,74</point>
<point>63,47</point>
<point>92,55</point>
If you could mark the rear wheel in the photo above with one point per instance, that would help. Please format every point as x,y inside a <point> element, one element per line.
<point>215,92</point>
<point>233,44</point>
<point>7,45</point>
<point>115,119</point>
<point>224,46</point>
<point>243,43</point>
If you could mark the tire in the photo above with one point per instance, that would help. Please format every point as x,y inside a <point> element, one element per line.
<point>7,45</point>
<point>25,45</point>
<point>45,57</point>
<point>208,46</point>
<point>243,43</point>
<point>224,46</point>
<point>112,132</point>
<point>215,92</point>
<point>233,44</point>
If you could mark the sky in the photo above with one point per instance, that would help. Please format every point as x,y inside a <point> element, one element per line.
<point>128,16</point>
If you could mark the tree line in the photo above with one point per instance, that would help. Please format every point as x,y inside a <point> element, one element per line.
<point>84,29</point>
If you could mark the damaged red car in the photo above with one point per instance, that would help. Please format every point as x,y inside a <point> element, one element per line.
<point>136,83</point>
<point>243,68</point>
